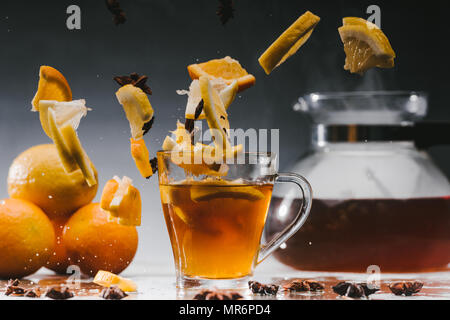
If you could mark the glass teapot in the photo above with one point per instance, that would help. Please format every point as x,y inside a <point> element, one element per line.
<point>378,199</point>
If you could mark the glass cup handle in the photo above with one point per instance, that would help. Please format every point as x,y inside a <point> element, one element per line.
<point>306,190</point>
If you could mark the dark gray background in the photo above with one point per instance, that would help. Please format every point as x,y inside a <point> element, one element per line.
<point>161,37</point>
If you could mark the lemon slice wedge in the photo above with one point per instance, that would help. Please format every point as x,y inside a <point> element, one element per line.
<point>365,46</point>
<point>122,201</point>
<point>137,108</point>
<point>289,42</point>
<point>107,279</point>
<point>65,113</point>
<point>70,150</point>
<point>73,144</point>
<point>227,94</point>
<point>214,109</point>
<point>208,193</point>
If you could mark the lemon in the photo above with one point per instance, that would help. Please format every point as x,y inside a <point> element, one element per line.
<point>365,45</point>
<point>37,175</point>
<point>137,108</point>
<point>289,42</point>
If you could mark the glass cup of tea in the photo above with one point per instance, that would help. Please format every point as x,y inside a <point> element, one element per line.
<point>215,216</point>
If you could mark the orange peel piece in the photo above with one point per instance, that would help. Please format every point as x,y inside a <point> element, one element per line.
<point>52,86</point>
<point>122,201</point>
<point>226,68</point>
<point>141,157</point>
<point>108,279</point>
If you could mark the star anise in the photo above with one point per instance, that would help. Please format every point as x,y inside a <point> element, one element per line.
<point>154,164</point>
<point>263,289</point>
<point>59,293</point>
<point>33,293</point>
<point>225,11</point>
<point>217,295</point>
<point>303,286</point>
<point>148,126</point>
<point>12,288</point>
<point>354,290</point>
<point>119,15</point>
<point>136,80</point>
<point>113,293</point>
<point>406,288</point>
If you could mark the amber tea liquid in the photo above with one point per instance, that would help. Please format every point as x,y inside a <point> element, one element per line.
<point>215,230</point>
<point>410,235</point>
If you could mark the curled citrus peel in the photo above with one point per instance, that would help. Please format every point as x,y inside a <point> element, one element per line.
<point>108,279</point>
<point>365,45</point>
<point>122,201</point>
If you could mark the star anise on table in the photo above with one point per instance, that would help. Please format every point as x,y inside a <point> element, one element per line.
<point>13,288</point>
<point>113,293</point>
<point>136,80</point>
<point>154,164</point>
<point>303,286</point>
<point>354,290</point>
<point>225,11</point>
<point>263,289</point>
<point>217,295</point>
<point>114,7</point>
<point>33,293</point>
<point>407,288</point>
<point>59,293</point>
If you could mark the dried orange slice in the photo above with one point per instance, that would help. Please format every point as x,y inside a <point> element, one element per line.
<point>227,68</point>
<point>123,201</point>
<point>289,42</point>
<point>107,279</point>
<point>52,86</point>
<point>141,157</point>
<point>365,45</point>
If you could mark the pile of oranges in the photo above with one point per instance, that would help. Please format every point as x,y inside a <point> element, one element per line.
<point>49,219</point>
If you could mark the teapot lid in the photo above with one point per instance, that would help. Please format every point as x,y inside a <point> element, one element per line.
<point>364,107</point>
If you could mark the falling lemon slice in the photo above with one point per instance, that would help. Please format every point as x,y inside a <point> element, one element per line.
<point>141,157</point>
<point>52,86</point>
<point>70,150</point>
<point>289,42</point>
<point>213,108</point>
<point>207,193</point>
<point>226,68</point>
<point>65,113</point>
<point>107,279</point>
<point>123,201</point>
<point>227,94</point>
<point>137,108</point>
<point>365,45</point>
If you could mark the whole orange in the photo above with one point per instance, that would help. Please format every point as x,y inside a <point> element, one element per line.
<point>59,260</point>
<point>27,238</point>
<point>94,243</point>
<point>37,175</point>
